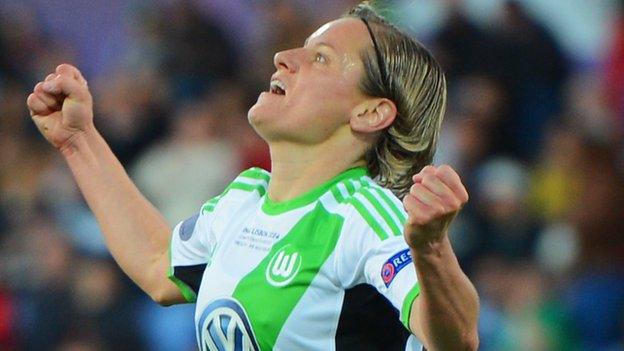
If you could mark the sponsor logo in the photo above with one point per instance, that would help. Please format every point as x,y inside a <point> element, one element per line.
<point>284,266</point>
<point>392,266</point>
<point>225,326</point>
<point>188,227</point>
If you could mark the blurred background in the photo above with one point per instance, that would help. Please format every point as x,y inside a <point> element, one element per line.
<point>535,125</point>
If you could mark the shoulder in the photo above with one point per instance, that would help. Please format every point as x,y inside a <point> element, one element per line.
<point>251,184</point>
<point>367,205</point>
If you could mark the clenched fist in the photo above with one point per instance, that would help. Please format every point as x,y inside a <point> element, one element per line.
<point>61,106</point>
<point>433,201</point>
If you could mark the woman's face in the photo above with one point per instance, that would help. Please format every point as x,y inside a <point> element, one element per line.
<point>320,86</point>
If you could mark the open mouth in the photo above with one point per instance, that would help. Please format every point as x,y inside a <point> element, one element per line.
<point>277,87</point>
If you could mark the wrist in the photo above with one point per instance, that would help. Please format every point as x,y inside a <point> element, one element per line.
<point>79,142</point>
<point>430,248</point>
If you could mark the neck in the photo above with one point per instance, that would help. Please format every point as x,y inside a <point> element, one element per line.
<point>297,169</point>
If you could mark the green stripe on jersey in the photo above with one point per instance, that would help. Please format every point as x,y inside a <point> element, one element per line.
<point>187,292</point>
<point>256,173</point>
<point>268,306</point>
<point>238,183</point>
<point>260,188</point>
<point>349,185</point>
<point>212,203</point>
<point>337,194</point>
<point>382,211</point>
<point>376,213</point>
<point>391,204</point>
<point>408,302</point>
<point>372,222</point>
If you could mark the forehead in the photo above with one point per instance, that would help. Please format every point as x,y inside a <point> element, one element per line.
<point>348,35</point>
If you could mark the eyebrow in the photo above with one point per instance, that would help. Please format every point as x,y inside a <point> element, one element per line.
<point>322,43</point>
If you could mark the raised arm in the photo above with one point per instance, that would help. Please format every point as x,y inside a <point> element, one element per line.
<point>135,232</point>
<point>446,311</point>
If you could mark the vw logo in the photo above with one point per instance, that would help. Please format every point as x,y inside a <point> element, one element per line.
<point>224,326</point>
<point>283,267</point>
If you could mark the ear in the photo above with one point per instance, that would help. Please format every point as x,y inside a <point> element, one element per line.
<point>373,115</point>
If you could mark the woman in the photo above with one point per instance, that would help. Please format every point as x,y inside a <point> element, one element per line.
<point>288,260</point>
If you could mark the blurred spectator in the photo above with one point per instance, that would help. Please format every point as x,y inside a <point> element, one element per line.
<point>599,217</point>
<point>192,165</point>
<point>197,52</point>
<point>558,249</point>
<point>536,137</point>
<point>533,69</point>
<point>131,110</point>
<point>506,224</point>
<point>59,196</point>
<point>100,303</point>
<point>614,74</point>
<point>519,312</point>
<point>462,47</point>
<point>7,321</point>
<point>556,180</point>
<point>40,262</point>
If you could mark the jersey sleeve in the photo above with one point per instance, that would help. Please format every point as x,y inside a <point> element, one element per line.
<point>192,245</point>
<point>390,270</point>
<point>374,252</point>
<point>194,240</point>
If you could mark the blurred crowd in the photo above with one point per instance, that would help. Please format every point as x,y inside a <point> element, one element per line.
<point>536,135</point>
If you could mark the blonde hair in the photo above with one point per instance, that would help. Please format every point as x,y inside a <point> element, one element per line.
<point>402,70</point>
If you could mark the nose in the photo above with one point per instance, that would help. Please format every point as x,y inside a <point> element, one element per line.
<point>285,60</point>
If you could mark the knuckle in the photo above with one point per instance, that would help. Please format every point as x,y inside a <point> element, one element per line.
<point>31,100</point>
<point>60,79</point>
<point>429,179</point>
<point>445,168</point>
<point>408,200</point>
<point>439,212</point>
<point>456,204</point>
<point>465,198</point>
<point>63,67</point>
<point>414,188</point>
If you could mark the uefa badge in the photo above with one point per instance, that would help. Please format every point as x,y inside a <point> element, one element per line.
<point>387,273</point>
<point>394,264</point>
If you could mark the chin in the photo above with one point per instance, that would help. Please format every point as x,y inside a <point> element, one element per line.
<point>259,118</point>
<point>257,114</point>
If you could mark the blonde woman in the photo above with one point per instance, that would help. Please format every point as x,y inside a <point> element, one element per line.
<point>297,259</point>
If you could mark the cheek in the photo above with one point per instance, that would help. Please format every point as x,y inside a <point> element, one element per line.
<point>331,96</point>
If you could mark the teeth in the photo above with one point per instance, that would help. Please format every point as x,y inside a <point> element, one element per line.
<point>276,84</point>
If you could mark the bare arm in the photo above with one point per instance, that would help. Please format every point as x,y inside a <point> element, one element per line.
<point>445,313</point>
<point>135,233</point>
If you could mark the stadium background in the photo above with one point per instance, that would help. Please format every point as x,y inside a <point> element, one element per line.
<point>534,125</point>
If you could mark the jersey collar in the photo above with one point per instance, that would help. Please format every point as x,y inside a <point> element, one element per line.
<point>271,207</point>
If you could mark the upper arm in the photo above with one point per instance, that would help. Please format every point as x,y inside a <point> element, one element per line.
<point>168,292</point>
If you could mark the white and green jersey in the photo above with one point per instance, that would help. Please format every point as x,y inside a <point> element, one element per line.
<point>312,273</point>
